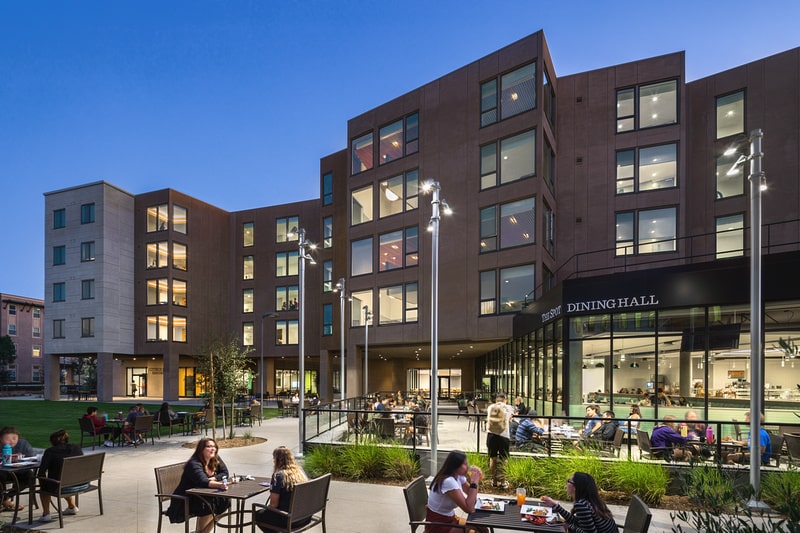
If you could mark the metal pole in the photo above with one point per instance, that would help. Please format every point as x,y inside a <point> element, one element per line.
<point>261,370</point>
<point>434,427</point>
<point>301,332</point>
<point>342,395</point>
<point>756,352</point>
<point>366,349</point>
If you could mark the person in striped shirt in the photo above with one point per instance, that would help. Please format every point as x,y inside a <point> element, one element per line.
<point>589,514</point>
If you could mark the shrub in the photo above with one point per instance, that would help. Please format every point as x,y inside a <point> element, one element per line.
<point>781,491</point>
<point>399,464</point>
<point>321,460</point>
<point>649,481</point>
<point>364,461</point>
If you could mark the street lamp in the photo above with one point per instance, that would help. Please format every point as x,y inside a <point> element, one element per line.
<point>303,255</point>
<point>433,187</point>
<point>367,317</point>
<point>261,373</point>
<point>342,297</point>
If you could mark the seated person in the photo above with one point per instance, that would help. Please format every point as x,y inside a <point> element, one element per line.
<point>765,446</point>
<point>694,430</point>
<point>593,422</point>
<point>664,440</point>
<point>286,473</point>
<point>632,423</point>
<point>19,447</point>
<point>455,486</point>
<point>100,426</point>
<point>52,460</point>
<point>528,428</point>
<point>127,427</point>
<point>607,428</point>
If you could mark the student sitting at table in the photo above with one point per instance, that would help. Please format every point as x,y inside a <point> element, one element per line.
<point>632,423</point>
<point>19,447</point>
<point>528,428</point>
<point>589,514</point>
<point>286,473</point>
<point>765,446</point>
<point>52,461</point>
<point>668,443</point>
<point>100,426</point>
<point>455,485</point>
<point>593,419</point>
<point>203,470</point>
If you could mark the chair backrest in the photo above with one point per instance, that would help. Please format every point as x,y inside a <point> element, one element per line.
<point>416,495</point>
<point>618,435</point>
<point>385,427</point>
<point>643,440</point>
<point>638,518</point>
<point>310,498</point>
<point>87,426</point>
<point>776,442</point>
<point>792,446</point>
<point>737,429</point>
<point>352,421</point>
<point>82,469</point>
<point>167,478</point>
<point>143,423</point>
<point>279,403</point>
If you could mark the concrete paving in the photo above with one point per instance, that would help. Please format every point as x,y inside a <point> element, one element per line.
<point>129,485</point>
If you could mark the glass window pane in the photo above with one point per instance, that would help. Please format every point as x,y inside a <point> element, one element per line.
<point>59,218</point>
<point>517,159</point>
<point>179,256</point>
<point>518,91</point>
<point>625,109</point>
<point>489,103</point>
<point>658,104</point>
<point>157,217</point>
<point>625,171</point>
<point>658,167</point>
<point>359,300</point>
<point>730,179</point>
<point>327,276</point>
<point>179,329</point>
<point>87,213</point>
<point>390,300</point>
<point>327,319</point>
<point>412,133</point>
<point>247,234</point>
<point>361,257</point>
<point>391,196</point>
<point>412,189</point>
<point>391,251</point>
<point>657,230</point>
<point>488,166</point>
<point>391,142</point>
<point>178,292</point>
<point>361,149</point>
<point>327,232</point>
<point>515,284</point>
<point>412,246</point>
<point>247,301</point>
<point>730,114</point>
<point>517,223</point>
<point>361,210</point>
<point>248,267</point>
<point>730,236</point>
<point>179,219</point>
<point>489,229</point>
<point>327,188</point>
<point>488,293</point>
<point>411,302</point>
<point>625,233</point>
<point>247,334</point>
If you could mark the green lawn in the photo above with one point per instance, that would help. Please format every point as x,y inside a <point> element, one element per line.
<point>37,419</point>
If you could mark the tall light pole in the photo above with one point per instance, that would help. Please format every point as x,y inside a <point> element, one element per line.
<point>342,298</point>
<point>303,248</point>
<point>433,187</point>
<point>261,373</point>
<point>367,317</point>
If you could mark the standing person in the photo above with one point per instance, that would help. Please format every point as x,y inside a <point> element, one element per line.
<point>454,485</point>
<point>52,461</point>
<point>133,388</point>
<point>589,514</point>
<point>286,473</point>
<point>203,470</point>
<point>100,426</point>
<point>498,438</point>
<point>19,446</point>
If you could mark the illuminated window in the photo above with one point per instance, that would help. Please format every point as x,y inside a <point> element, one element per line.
<point>179,256</point>
<point>730,236</point>
<point>361,209</point>
<point>361,150</point>
<point>157,254</point>
<point>358,300</point>
<point>179,292</point>
<point>157,291</point>
<point>157,218</point>
<point>247,300</point>
<point>248,267</point>
<point>248,234</point>
<point>286,298</point>
<point>286,332</point>
<point>247,334</point>
<point>179,219</point>
<point>158,328</point>
<point>657,105</point>
<point>516,160</point>
<point>730,114</point>
<point>517,94</point>
<point>285,264</point>
<point>179,329</point>
<point>285,225</point>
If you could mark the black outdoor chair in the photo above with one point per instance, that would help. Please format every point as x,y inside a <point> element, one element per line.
<point>90,432</point>
<point>77,470</point>
<point>416,496</point>
<point>638,518</point>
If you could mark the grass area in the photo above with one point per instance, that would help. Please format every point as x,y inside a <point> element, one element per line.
<point>37,419</point>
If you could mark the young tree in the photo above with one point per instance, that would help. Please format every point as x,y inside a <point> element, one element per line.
<point>8,353</point>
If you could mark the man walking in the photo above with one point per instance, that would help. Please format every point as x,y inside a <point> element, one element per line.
<point>498,439</point>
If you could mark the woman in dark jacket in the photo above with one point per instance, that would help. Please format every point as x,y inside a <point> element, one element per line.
<point>204,470</point>
<point>50,467</point>
<point>286,473</point>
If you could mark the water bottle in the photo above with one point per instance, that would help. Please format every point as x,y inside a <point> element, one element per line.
<point>7,455</point>
<point>709,434</point>
<point>105,417</point>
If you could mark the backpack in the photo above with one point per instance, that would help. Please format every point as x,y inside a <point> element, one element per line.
<point>497,419</point>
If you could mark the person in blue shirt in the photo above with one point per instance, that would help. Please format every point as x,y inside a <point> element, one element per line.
<point>764,440</point>
<point>528,427</point>
<point>593,416</point>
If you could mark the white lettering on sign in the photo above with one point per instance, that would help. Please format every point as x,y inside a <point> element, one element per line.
<point>608,304</point>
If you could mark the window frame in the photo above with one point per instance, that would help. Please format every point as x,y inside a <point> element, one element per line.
<point>290,327</point>
<point>161,328</point>
<point>500,147</point>
<point>87,327</point>
<point>58,328</point>
<point>157,291</point>
<point>252,262</point>
<point>183,228</point>
<point>176,263</point>
<point>327,232</point>
<point>87,289</point>
<point>157,218</point>
<point>327,320</point>
<point>59,255</point>
<point>87,213</point>
<point>59,218</point>
<point>361,142</point>
<point>248,238</point>
<point>161,251</point>
<point>638,170</point>
<point>283,226</point>
<point>492,108</point>
<point>363,254</point>
<point>251,293</point>
<point>638,106</point>
<point>88,251</point>
<point>59,291</point>
<point>743,93</point>
<point>733,232</point>
<point>289,259</point>
<point>327,188</point>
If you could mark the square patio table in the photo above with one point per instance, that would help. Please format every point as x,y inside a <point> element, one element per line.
<point>238,492</point>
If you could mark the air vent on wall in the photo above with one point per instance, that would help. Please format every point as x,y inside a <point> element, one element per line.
<point>578,160</point>
<point>579,99</point>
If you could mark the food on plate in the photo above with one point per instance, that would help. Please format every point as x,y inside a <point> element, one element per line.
<point>539,512</point>
<point>535,519</point>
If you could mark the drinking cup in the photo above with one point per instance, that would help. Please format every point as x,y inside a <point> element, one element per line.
<point>521,495</point>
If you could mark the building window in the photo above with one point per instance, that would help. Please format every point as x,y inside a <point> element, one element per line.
<point>286,332</point>
<point>157,254</point>
<point>179,329</point>
<point>59,218</point>
<point>158,328</point>
<point>488,283</point>
<point>87,327</point>
<point>36,351</point>
<point>398,304</point>
<point>516,225</point>
<point>549,166</point>
<point>248,267</point>
<point>516,160</point>
<point>548,100</point>
<point>285,264</point>
<point>248,234</point>
<point>87,213</point>
<point>157,291</point>
<point>412,133</point>
<point>361,210</point>
<point>729,178</point>
<point>390,251</point>
<point>730,114</point>
<point>657,169</point>
<point>327,320</point>
<point>87,289</point>
<point>517,94</point>
<point>399,193</point>
<point>398,139</point>
<point>361,257</point>
<point>12,329</point>
<point>327,232</point>
<point>327,276</point>
<point>549,230</point>
<point>327,188</point>
<point>59,291</point>
<point>36,375</point>
<point>247,300</point>
<point>656,231</point>
<point>412,246</point>
<point>730,236</point>
<point>58,328</point>
<point>157,218</point>
<point>180,218</point>
<point>286,298</point>
<point>247,334</point>
<point>59,255</point>
<point>361,149</point>
<point>657,106</point>
<point>36,332</point>
<point>516,284</point>
<point>12,309</point>
<point>285,225</point>
<point>179,256</point>
<point>87,251</point>
<point>37,312</point>
<point>178,293</point>
<point>359,299</point>
<point>412,302</point>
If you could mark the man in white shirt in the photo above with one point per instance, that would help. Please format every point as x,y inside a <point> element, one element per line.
<point>498,438</point>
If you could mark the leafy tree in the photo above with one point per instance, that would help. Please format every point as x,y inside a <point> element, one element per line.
<point>8,353</point>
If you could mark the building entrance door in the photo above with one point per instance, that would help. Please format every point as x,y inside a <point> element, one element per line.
<point>136,382</point>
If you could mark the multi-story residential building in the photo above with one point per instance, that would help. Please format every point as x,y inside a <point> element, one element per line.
<point>598,242</point>
<point>21,319</point>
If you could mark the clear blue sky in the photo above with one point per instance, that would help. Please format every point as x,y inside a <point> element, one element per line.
<point>230,101</point>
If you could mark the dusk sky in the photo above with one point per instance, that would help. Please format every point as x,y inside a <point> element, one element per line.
<point>235,102</point>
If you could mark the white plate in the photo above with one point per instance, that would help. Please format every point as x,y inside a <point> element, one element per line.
<point>532,510</point>
<point>491,505</point>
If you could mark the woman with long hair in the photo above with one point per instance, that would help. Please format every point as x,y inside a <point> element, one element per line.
<point>589,514</point>
<point>632,424</point>
<point>203,470</point>
<point>286,474</point>
<point>455,485</point>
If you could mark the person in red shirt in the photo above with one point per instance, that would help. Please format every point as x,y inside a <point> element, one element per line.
<point>100,426</point>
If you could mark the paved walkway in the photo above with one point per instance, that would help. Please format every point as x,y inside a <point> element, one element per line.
<point>129,486</point>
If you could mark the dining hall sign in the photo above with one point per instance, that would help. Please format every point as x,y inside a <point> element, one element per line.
<point>605,304</point>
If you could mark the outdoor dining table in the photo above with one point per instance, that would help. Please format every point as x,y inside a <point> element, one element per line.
<point>238,492</point>
<point>510,518</point>
<point>13,472</point>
